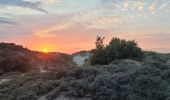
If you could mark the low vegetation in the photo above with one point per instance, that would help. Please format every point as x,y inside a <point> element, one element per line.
<point>135,75</point>
<point>121,80</point>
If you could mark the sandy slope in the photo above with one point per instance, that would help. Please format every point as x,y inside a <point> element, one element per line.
<point>79,59</point>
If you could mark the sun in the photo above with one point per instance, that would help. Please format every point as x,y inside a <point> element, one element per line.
<point>45,50</point>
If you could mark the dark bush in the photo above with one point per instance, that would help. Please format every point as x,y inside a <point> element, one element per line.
<point>15,63</point>
<point>117,49</point>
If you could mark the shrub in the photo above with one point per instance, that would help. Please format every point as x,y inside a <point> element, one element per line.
<point>105,87</point>
<point>117,49</point>
<point>15,63</point>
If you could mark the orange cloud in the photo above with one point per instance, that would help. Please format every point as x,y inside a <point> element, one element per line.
<point>49,32</point>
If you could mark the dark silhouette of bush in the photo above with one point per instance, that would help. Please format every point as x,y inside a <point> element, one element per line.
<point>15,63</point>
<point>99,52</point>
<point>117,49</point>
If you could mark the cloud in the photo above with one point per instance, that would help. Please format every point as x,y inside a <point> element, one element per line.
<point>50,32</point>
<point>51,1</point>
<point>137,5</point>
<point>22,3</point>
<point>110,3</point>
<point>153,7</point>
<point>4,20</point>
<point>165,6</point>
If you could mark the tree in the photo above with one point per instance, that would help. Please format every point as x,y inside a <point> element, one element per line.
<point>98,53</point>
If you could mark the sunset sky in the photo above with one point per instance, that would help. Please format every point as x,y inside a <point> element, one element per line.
<point>72,25</point>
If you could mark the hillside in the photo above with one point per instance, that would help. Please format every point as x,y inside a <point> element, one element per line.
<point>16,58</point>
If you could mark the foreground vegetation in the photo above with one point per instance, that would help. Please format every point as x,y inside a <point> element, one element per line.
<point>123,78</point>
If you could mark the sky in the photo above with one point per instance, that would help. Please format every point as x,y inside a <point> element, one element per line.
<point>73,25</point>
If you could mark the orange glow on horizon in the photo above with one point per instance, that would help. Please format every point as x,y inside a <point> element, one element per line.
<point>71,45</point>
<point>45,50</point>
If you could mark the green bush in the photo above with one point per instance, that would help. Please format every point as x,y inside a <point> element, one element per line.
<point>117,49</point>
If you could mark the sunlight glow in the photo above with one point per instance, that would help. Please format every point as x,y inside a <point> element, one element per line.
<point>45,50</point>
